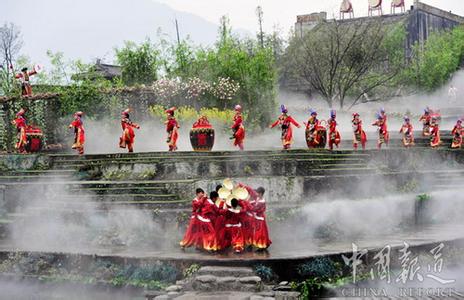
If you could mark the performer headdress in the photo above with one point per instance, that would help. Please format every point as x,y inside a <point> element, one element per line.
<point>24,69</point>
<point>406,118</point>
<point>459,121</point>
<point>355,115</point>
<point>21,112</point>
<point>312,112</point>
<point>79,114</point>
<point>333,113</point>
<point>283,109</point>
<point>126,112</point>
<point>171,110</point>
<point>238,108</point>
<point>382,110</point>
<point>427,110</point>
<point>379,116</point>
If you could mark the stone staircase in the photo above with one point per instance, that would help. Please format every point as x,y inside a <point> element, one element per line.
<point>223,282</point>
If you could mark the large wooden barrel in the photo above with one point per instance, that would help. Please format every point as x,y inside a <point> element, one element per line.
<point>202,138</point>
<point>34,139</point>
<point>321,138</point>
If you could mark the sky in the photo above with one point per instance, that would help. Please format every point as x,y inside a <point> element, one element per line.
<point>282,13</point>
<point>91,29</point>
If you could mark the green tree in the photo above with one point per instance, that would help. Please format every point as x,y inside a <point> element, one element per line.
<point>140,63</point>
<point>337,59</point>
<point>434,62</point>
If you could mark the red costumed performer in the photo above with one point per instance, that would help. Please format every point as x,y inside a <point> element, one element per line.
<point>128,135</point>
<point>381,123</point>
<point>360,136</point>
<point>233,233</point>
<point>257,208</point>
<point>457,135</point>
<point>314,138</point>
<point>24,77</point>
<point>334,134</point>
<point>435,139</point>
<point>79,132</point>
<point>408,133</point>
<point>20,123</point>
<point>238,130</point>
<point>285,121</point>
<point>192,236</point>
<point>172,128</point>
<point>426,118</point>
<point>206,220</point>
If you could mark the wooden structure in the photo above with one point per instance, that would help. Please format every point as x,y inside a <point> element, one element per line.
<point>397,4</point>
<point>375,6</point>
<point>346,8</point>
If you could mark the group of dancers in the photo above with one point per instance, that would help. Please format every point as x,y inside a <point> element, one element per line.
<point>317,131</point>
<point>237,222</point>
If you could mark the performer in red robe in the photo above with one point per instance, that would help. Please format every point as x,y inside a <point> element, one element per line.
<point>334,134</point>
<point>207,219</point>
<point>381,123</point>
<point>233,233</point>
<point>360,136</point>
<point>192,236</point>
<point>257,208</point>
<point>128,135</point>
<point>79,132</point>
<point>435,139</point>
<point>20,123</point>
<point>238,130</point>
<point>285,121</point>
<point>426,118</point>
<point>172,128</point>
<point>457,135</point>
<point>219,225</point>
<point>313,126</point>
<point>24,77</point>
<point>408,133</point>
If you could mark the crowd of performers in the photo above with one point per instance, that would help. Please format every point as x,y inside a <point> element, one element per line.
<point>237,222</point>
<point>318,132</point>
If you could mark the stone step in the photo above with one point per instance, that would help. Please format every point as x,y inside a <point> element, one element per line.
<point>199,155</point>
<point>152,198</point>
<point>226,271</point>
<point>208,283</point>
<point>123,190</point>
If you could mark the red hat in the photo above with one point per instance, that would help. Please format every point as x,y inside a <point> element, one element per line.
<point>79,113</point>
<point>21,112</point>
<point>171,110</point>
<point>238,108</point>
<point>126,112</point>
<point>355,114</point>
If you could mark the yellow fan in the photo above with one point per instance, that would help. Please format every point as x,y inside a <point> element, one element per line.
<point>228,184</point>
<point>223,193</point>
<point>241,193</point>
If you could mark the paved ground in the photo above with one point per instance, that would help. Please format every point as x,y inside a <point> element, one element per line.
<point>288,247</point>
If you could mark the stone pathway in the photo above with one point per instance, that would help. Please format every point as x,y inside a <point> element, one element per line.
<point>222,283</point>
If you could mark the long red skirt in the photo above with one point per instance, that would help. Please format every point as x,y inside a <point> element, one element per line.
<point>239,137</point>
<point>261,238</point>
<point>192,235</point>
<point>234,237</point>
<point>207,236</point>
<point>248,221</point>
